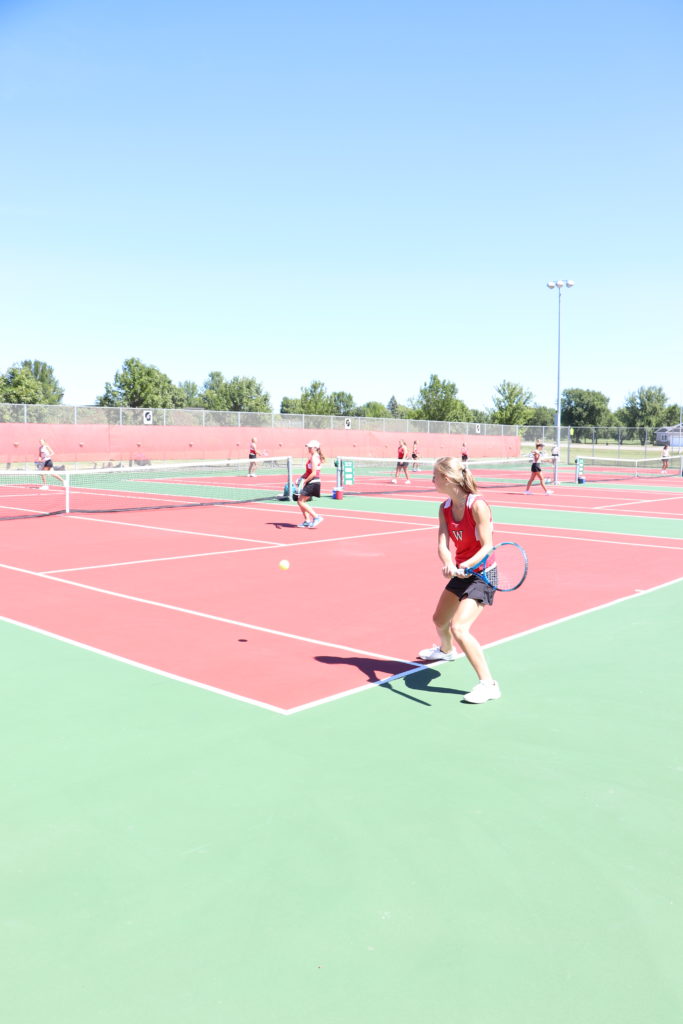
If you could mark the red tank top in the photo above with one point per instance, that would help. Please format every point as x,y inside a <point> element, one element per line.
<point>309,467</point>
<point>401,452</point>
<point>463,533</point>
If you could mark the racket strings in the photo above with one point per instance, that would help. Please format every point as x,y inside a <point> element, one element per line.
<point>509,569</point>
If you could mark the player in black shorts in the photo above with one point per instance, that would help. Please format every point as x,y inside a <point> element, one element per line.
<point>536,470</point>
<point>310,485</point>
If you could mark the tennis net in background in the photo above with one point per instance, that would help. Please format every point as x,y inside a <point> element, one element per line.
<point>378,476</point>
<point>140,488</point>
<point>594,469</point>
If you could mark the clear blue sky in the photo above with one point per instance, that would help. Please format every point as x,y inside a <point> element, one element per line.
<point>364,193</point>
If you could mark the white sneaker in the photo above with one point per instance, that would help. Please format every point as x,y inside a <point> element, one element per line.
<point>527,492</point>
<point>407,481</point>
<point>45,488</point>
<point>550,492</point>
<point>436,654</point>
<point>316,521</point>
<point>483,691</point>
<point>393,481</point>
<point>305,523</point>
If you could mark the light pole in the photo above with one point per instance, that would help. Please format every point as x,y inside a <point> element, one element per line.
<point>558,415</point>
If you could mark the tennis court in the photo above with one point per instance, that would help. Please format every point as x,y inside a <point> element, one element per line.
<point>233,794</point>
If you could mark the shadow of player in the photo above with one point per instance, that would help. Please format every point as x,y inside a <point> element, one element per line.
<point>386,672</point>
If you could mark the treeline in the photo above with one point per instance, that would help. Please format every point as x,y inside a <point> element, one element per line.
<point>139,385</point>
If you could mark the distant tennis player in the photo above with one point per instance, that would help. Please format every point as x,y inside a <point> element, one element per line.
<point>535,457</point>
<point>254,454</point>
<point>309,487</point>
<point>401,463</point>
<point>464,522</point>
<point>45,464</point>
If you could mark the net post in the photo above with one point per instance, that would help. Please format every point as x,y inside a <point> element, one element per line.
<point>67,492</point>
<point>289,490</point>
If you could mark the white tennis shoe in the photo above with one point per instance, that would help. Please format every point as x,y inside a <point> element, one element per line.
<point>487,689</point>
<point>436,654</point>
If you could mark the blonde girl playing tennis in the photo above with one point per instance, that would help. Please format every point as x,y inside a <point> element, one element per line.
<point>45,464</point>
<point>309,486</point>
<point>254,454</point>
<point>465,524</point>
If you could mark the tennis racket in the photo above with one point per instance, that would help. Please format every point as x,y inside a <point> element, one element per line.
<point>504,568</point>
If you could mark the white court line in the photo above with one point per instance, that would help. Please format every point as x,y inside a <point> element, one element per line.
<point>329,513</point>
<point>268,546</point>
<point>513,527</point>
<point>641,501</point>
<point>140,664</point>
<point>205,615</point>
<point>167,529</point>
<point>642,543</point>
<point>165,558</point>
<point>416,667</point>
<point>496,643</point>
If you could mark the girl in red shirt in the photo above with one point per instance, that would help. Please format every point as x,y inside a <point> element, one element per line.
<point>254,454</point>
<point>310,485</point>
<point>465,524</point>
<point>401,463</point>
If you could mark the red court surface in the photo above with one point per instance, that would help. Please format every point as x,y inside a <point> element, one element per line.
<point>197,593</point>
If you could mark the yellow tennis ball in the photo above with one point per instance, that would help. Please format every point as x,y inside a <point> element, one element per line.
<point>284,564</point>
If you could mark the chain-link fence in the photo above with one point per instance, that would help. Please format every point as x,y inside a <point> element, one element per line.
<point>614,440</point>
<point>107,415</point>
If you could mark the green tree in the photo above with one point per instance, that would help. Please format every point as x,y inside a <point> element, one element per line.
<point>672,415</point>
<point>290,405</point>
<point>139,386</point>
<point>19,387</point>
<point>585,408</point>
<point>191,394</point>
<point>214,394</point>
<point>399,412</point>
<point>372,409</point>
<point>45,375</point>
<point>239,394</point>
<point>511,404</point>
<point>342,403</point>
<point>438,400</point>
<point>541,416</point>
<point>646,407</point>
<point>315,400</point>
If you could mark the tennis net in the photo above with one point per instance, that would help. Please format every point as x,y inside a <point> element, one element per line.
<point>594,469</point>
<point>142,487</point>
<point>364,476</point>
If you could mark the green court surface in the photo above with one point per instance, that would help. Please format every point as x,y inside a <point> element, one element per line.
<point>171,855</point>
